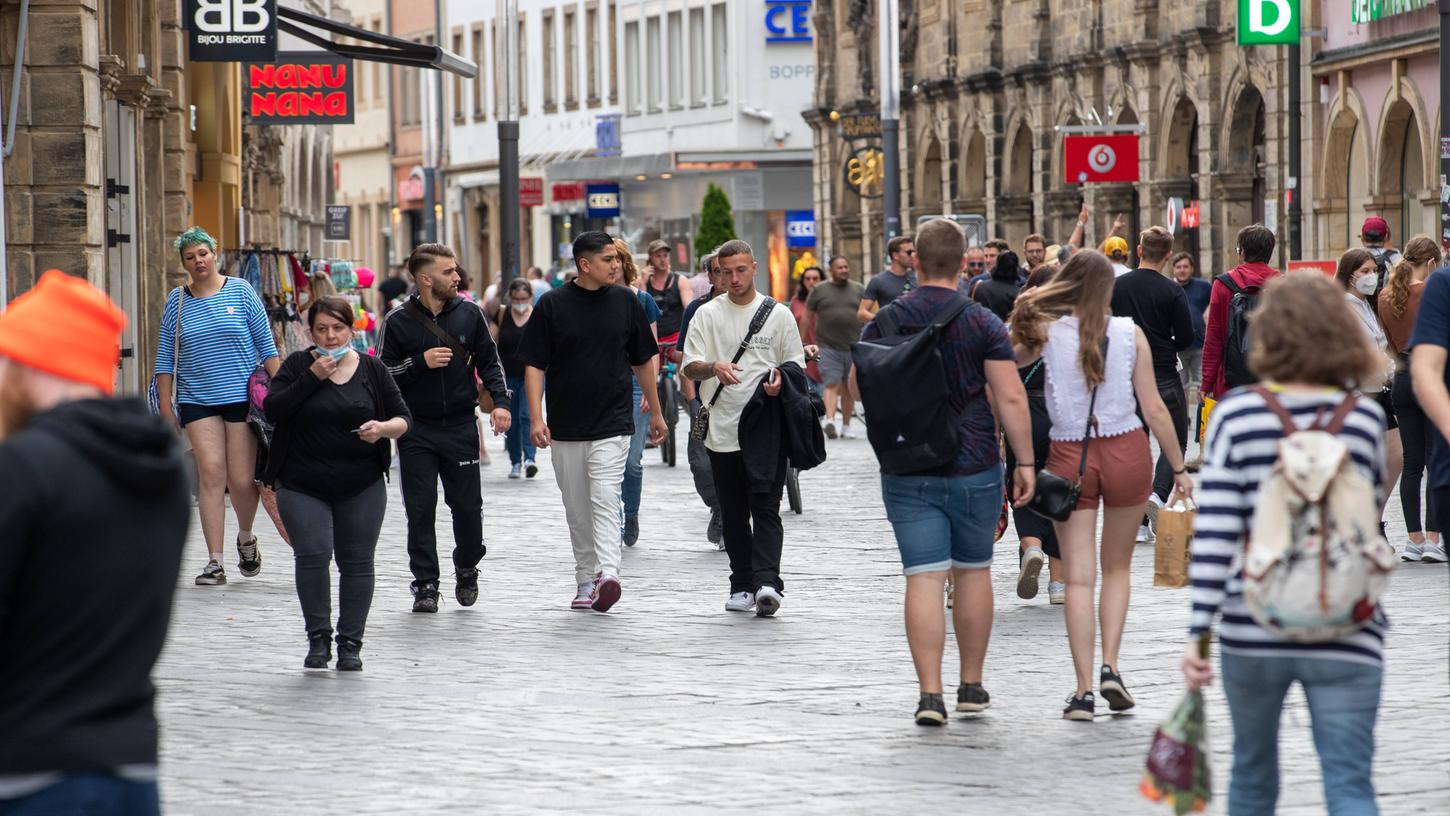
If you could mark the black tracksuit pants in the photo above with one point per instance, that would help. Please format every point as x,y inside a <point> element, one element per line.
<point>426,454</point>
<point>1177,404</point>
<point>750,521</point>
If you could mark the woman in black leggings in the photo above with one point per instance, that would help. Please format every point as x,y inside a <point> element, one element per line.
<point>1039,539</point>
<point>335,411</point>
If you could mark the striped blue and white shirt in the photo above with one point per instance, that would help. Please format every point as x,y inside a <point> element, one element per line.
<point>223,337</point>
<point>1242,450</point>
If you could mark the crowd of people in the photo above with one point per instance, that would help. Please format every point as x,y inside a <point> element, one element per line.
<point>1059,366</point>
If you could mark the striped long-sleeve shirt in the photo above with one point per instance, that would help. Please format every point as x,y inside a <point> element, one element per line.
<point>223,337</point>
<point>1242,450</point>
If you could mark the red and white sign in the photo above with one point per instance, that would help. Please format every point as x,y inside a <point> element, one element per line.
<point>1106,158</point>
<point>1328,268</point>
<point>531,191</point>
<point>568,191</point>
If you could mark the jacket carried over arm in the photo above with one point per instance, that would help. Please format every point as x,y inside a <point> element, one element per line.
<point>446,395</point>
<point>781,430</point>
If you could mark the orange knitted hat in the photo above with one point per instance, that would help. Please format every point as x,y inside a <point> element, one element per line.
<point>65,327</point>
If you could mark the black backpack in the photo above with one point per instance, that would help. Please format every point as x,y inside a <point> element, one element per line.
<point>1236,371</point>
<point>903,383</point>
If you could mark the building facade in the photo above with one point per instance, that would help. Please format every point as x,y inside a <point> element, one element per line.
<point>409,94</point>
<point>361,150</point>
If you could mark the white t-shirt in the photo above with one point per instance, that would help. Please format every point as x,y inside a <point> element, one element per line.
<point>715,334</point>
<point>1120,270</point>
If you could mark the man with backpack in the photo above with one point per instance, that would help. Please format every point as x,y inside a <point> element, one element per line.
<point>1225,339</point>
<point>1373,235</point>
<point>923,370</point>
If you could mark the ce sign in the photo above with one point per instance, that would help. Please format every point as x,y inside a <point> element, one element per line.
<point>602,201</point>
<point>787,21</point>
<point>231,30</point>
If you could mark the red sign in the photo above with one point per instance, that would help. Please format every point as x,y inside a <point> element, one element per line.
<point>1106,158</point>
<point>569,191</point>
<point>1191,216</point>
<point>410,189</point>
<point>1326,267</point>
<point>300,88</point>
<point>531,191</point>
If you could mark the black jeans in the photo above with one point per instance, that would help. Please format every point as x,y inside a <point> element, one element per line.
<point>1177,403</point>
<point>699,461</point>
<point>425,454</point>
<point>347,529</point>
<point>1415,435</point>
<point>751,523</point>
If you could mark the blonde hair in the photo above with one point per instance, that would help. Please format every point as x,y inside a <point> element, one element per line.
<point>626,261</point>
<point>322,286</point>
<point>1420,249</point>
<point>1082,287</point>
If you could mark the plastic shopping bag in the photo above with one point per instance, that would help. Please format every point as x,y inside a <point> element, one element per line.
<point>1177,772</point>
<point>1174,539</point>
<point>1203,415</point>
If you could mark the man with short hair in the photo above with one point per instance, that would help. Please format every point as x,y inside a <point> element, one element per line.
<point>93,497</point>
<point>671,292</point>
<point>1255,248</point>
<point>1034,253</point>
<point>535,276</point>
<point>694,448</point>
<point>1158,306</point>
<point>833,316</point>
<point>1116,248</point>
<point>750,512</point>
<point>588,336</point>
<point>942,526</point>
<point>891,284</point>
<point>1373,235</point>
<point>991,250</point>
<point>975,264</point>
<point>434,345</point>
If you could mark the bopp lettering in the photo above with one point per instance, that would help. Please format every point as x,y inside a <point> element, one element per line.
<point>792,71</point>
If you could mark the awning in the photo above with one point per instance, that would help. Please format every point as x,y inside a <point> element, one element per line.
<point>383,49</point>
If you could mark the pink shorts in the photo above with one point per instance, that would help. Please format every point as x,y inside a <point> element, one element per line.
<point>1119,469</point>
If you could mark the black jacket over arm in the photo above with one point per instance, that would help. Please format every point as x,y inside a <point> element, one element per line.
<point>781,430</point>
<point>447,395</point>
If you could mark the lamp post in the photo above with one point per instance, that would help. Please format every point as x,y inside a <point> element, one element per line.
<point>888,50</point>
<point>508,147</point>
<point>1444,123</point>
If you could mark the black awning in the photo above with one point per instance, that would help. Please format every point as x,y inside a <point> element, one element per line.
<point>383,49</point>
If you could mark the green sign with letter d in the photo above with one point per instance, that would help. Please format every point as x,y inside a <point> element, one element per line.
<point>1268,22</point>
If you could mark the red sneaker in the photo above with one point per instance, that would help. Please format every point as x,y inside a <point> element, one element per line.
<point>584,598</point>
<point>606,593</point>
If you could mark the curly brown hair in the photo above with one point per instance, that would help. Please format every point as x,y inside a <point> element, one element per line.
<point>629,271</point>
<point>1082,287</point>
<point>1419,250</point>
<point>1303,332</point>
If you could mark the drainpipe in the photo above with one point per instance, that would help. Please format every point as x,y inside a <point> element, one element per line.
<point>9,145</point>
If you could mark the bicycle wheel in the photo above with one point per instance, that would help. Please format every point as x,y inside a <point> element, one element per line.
<point>670,406</point>
<point>793,490</point>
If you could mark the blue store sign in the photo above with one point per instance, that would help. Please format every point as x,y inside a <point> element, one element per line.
<point>787,21</point>
<point>601,200</point>
<point>800,229</point>
<point>606,135</point>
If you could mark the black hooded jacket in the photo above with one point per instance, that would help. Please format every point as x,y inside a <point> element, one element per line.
<point>447,395</point>
<point>782,430</point>
<point>93,496</point>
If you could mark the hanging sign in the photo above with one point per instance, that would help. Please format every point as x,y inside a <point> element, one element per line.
<point>531,191</point>
<point>1100,158</point>
<point>800,229</point>
<point>602,200</point>
<point>231,30</point>
<point>299,88</point>
<point>338,226</point>
<point>1269,22</point>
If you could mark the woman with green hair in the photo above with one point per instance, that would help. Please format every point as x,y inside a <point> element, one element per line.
<point>214,332</point>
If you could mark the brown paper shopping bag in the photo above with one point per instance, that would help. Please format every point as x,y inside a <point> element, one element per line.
<point>1175,537</point>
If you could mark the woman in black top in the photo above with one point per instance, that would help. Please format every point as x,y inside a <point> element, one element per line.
<point>513,314</point>
<point>999,292</point>
<point>334,411</point>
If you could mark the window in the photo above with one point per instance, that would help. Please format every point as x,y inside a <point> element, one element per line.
<point>675,31</point>
<point>591,55</point>
<point>571,60</point>
<point>523,66</point>
<point>477,36</point>
<point>550,56</point>
<point>631,68</point>
<point>653,68</point>
<point>497,69</point>
<point>458,80</point>
<point>614,54</point>
<point>719,41</point>
<point>407,80</point>
<point>698,54</point>
<point>377,68</point>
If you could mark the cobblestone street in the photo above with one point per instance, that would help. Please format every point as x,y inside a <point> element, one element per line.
<point>670,704</point>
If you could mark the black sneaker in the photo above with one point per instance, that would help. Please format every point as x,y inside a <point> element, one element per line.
<point>425,597</point>
<point>931,710</point>
<point>1110,685</point>
<point>972,698</point>
<point>714,532</point>
<point>349,657</point>
<point>1081,708</point>
<point>530,469</point>
<point>466,590</point>
<point>631,531</point>
<point>319,651</point>
<point>212,575</point>
<point>249,557</point>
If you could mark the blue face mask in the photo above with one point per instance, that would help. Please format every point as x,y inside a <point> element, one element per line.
<point>336,354</point>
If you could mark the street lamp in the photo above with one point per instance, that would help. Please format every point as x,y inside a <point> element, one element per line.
<point>508,146</point>
<point>888,49</point>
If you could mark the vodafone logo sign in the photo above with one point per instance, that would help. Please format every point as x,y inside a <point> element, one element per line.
<point>1100,158</point>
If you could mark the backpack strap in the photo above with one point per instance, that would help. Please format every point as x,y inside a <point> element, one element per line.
<point>1286,418</point>
<point>1227,279</point>
<point>757,322</point>
<point>1341,414</point>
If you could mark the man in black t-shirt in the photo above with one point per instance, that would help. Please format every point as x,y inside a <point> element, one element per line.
<point>892,283</point>
<point>588,336</point>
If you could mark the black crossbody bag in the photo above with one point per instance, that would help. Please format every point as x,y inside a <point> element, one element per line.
<point>700,428</point>
<point>1056,497</point>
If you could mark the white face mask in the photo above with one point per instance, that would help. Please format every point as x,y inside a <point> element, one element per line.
<point>521,307</point>
<point>1366,284</point>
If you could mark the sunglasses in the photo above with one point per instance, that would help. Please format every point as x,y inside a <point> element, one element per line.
<point>976,264</point>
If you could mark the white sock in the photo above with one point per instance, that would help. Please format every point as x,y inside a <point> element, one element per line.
<point>243,536</point>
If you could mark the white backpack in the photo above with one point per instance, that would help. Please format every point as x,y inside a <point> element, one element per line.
<point>1316,562</point>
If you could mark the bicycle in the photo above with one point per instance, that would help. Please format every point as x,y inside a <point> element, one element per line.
<point>670,402</point>
<point>793,490</point>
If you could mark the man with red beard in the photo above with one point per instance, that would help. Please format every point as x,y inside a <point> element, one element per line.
<point>93,497</point>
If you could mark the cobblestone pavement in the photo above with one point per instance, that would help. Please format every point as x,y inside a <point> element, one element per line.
<point>672,705</point>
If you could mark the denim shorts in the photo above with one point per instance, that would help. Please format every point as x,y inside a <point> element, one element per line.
<point>944,522</point>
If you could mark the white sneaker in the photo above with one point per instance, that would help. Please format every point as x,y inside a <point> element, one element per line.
<point>1435,553</point>
<point>1154,505</point>
<point>1145,535</point>
<point>847,433</point>
<point>1412,551</point>
<point>1056,592</point>
<point>584,597</point>
<point>1032,561</point>
<point>767,601</point>
<point>740,602</point>
<point>516,471</point>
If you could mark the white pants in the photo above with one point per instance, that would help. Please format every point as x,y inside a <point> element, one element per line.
<point>590,475</point>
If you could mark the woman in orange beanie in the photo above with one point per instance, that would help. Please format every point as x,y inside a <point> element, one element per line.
<point>214,331</point>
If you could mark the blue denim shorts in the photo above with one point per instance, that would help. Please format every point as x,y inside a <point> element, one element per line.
<point>944,522</point>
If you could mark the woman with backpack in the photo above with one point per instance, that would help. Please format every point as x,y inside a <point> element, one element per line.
<point>1358,275</point>
<point>1308,348</point>
<point>1096,366</point>
<point>1399,305</point>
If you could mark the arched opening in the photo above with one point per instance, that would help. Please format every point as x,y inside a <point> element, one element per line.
<point>929,179</point>
<point>1401,171</point>
<point>1180,168</point>
<point>1019,163</point>
<point>974,167</point>
<point>1247,152</point>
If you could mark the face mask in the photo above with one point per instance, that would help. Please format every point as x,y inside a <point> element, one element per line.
<point>336,354</point>
<point>521,307</point>
<point>1366,284</point>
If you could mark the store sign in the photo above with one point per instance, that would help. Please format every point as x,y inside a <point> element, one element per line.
<point>601,201</point>
<point>861,126</point>
<point>1100,158</point>
<point>531,191</point>
<point>567,191</point>
<point>800,229</point>
<point>1268,22</point>
<point>231,30</point>
<point>299,88</point>
<point>413,187</point>
<point>787,21</point>
<point>865,167</point>
<point>1368,11</point>
<point>606,135</point>
<point>338,226</point>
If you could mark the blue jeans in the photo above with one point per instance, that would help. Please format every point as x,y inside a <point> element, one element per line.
<point>634,465</point>
<point>517,441</point>
<point>88,795</point>
<point>944,522</point>
<point>1343,699</point>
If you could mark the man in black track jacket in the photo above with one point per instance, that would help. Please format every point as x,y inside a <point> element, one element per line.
<point>434,345</point>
